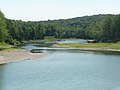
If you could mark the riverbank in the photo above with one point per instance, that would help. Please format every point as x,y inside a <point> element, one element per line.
<point>7,56</point>
<point>115,47</point>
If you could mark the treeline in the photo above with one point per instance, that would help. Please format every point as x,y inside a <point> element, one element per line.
<point>3,31</point>
<point>103,28</point>
<point>70,28</point>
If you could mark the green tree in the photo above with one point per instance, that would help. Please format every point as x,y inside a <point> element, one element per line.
<point>3,31</point>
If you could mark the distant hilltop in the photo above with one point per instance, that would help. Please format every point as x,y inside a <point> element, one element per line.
<point>102,28</point>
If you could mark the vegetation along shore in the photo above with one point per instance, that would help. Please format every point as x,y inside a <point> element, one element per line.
<point>91,47</point>
<point>103,28</point>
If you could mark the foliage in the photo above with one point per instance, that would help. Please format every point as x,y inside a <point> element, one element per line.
<point>69,28</point>
<point>50,38</point>
<point>3,31</point>
<point>106,29</point>
<point>3,45</point>
<point>103,28</point>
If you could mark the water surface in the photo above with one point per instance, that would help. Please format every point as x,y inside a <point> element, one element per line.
<point>63,69</point>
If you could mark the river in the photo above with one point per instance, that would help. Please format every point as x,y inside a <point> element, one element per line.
<point>63,69</point>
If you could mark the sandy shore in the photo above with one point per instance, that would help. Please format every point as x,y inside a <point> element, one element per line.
<point>8,56</point>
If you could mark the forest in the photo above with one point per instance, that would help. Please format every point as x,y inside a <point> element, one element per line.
<point>102,28</point>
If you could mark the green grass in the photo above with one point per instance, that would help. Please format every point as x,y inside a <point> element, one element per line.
<point>115,46</point>
<point>92,45</point>
<point>4,46</point>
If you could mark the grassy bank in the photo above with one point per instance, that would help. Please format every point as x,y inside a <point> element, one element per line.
<point>92,45</point>
<point>4,46</point>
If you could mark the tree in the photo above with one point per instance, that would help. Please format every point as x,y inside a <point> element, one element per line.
<point>3,30</point>
<point>117,27</point>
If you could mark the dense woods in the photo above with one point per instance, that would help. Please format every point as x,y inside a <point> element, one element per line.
<point>103,28</point>
<point>3,30</point>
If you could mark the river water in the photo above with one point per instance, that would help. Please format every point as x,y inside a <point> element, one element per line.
<point>63,69</point>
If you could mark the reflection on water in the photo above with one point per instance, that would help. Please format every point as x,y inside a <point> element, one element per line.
<point>63,69</point>
<point>73,41</point>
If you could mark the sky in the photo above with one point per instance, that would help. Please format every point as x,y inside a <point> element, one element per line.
<point>37,10</point>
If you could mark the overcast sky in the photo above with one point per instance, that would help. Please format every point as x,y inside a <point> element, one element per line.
<point>36,10</point>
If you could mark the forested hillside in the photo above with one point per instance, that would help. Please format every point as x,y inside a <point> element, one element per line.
<point>70,28</point>
<point>103,28</point>
<point>3,30</point>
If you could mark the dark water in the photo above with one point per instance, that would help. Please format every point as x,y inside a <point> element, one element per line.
<point>63,69</point>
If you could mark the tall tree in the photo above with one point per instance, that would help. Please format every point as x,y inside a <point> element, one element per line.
<point>3,30</point>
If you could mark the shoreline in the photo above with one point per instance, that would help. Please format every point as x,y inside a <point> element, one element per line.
<point>8,56</point>
<point>99,49</point>
<point>88,49</point>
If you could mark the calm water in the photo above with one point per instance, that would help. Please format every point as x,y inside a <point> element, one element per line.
<point>73,41</point>
<point>63,70</point>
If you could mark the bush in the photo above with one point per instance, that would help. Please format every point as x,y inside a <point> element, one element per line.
<point>50,38</point>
